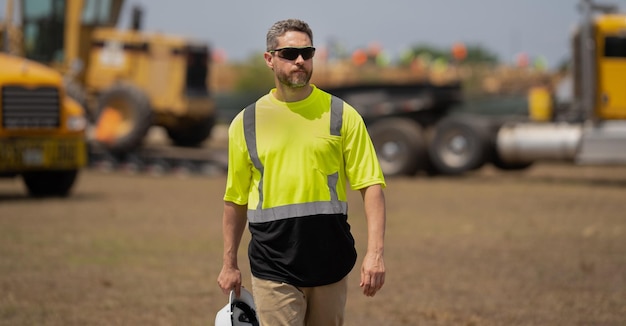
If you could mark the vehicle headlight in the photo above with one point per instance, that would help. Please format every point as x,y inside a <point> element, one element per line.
<point>76,123</point>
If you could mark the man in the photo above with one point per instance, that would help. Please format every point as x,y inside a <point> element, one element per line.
<point>291,155</point>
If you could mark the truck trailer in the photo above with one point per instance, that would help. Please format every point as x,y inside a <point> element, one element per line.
<point>415,127</point>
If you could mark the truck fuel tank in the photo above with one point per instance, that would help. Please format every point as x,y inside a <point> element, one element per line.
<point>529,142</point>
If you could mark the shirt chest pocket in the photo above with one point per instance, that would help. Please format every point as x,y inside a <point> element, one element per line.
<point>327,154</point>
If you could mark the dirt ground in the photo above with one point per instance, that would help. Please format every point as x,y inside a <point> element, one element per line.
<point>542,247</point>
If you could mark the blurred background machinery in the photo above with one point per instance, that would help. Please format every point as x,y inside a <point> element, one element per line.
<point>127,79</point>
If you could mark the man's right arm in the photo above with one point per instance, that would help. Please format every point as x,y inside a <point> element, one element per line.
<point>233,224</point>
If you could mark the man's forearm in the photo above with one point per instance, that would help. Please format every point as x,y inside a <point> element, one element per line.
<point>374,203</point>
<point>233,225</point>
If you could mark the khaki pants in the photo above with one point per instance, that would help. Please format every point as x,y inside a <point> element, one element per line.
<point>281,304</point>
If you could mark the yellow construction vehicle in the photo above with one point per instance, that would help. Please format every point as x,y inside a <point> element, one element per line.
<point>42,131</point>
<point>128,80</point>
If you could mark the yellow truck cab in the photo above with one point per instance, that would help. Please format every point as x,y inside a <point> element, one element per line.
<point>42,131</point>
<point>610,37</point>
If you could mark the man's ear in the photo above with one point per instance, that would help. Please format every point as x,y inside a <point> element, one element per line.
<point>269,60</point>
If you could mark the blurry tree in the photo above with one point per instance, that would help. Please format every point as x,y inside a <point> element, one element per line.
<point>252,80</point>
<point>253,76</point>
<point>423,50</point>
<point>564,65</point>
<point>476,54</point>
<point>479,54</point>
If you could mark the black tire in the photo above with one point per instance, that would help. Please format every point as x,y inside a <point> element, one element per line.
<point>193,133</point>
<point>509,166</point>
<point>49,183</point>
<point>133,106</point>
<point>460,144</point>
<point>400,146</point>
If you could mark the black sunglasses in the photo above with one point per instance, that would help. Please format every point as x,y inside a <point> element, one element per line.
<point>291,53</point>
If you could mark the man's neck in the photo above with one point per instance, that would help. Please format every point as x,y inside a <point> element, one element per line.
<point>289,94</point>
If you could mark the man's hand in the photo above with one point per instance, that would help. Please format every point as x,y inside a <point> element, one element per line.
<point>230,279</point>
<point>372,274</point>
<point>373,268</point>
<point>233,224</point>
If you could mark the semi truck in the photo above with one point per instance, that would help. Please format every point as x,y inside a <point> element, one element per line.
<point>587,123</point>
<point>417,127</point>
<point>42,130</point>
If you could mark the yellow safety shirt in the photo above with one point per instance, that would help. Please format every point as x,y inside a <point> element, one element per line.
<point>290,162</point>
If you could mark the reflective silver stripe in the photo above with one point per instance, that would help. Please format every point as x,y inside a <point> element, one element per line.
<point>336,115</point>
<point>297,210</point>
<point>336,121</point>
<point>249,131</point>
<point>334,206</point>
<point>332,186</point>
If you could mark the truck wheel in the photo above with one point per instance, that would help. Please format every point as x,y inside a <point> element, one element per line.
<point>192,134</point>
<point>399,144</point>
<point>49,183</point>
<point>124,117</point>
<point>460,144</point>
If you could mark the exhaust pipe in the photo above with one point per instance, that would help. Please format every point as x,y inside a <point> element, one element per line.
<point>137,18</point>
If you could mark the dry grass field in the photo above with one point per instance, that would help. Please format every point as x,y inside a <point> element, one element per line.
<point>543,247</point>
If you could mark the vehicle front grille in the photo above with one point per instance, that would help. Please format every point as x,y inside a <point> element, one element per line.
<point>26,108</point>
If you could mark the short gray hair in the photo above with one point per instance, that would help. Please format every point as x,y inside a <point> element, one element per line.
<point>283,26</point>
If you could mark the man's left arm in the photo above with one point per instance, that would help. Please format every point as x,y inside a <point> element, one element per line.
<point>373,267</point>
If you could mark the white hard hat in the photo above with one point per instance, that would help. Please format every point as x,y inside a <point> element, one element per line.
<point>239,311</point>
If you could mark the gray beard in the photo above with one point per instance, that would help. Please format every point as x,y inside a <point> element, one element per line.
<point>295,81</point>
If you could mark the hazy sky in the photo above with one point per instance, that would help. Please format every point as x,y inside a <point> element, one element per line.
<point>506,27</point>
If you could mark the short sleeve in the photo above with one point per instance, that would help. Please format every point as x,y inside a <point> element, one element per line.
<point>362,165</point>
<point>239,177</point>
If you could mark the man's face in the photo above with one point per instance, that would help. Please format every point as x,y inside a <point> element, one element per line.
<point>294,73</point>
